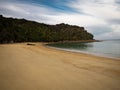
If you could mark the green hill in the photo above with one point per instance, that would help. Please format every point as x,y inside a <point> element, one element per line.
<point>21,30</point>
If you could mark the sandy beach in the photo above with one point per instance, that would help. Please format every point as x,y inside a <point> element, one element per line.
<point>36,67</point>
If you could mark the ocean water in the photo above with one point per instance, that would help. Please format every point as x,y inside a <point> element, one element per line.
<point>108,48</point>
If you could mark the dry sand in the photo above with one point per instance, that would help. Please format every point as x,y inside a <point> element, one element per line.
<point>28,67</point>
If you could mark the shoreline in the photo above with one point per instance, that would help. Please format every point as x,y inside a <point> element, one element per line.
<point>83,52</point>
<point>35,66</point>
<point>82,41</point>
<point>114,56</point>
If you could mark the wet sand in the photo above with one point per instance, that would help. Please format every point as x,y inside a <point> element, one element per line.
<point>36,67</point>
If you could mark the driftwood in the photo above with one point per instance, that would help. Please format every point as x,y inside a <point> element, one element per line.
<point>31,44</point>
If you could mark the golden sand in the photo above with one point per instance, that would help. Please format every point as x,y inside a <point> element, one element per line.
<point>36,67</point>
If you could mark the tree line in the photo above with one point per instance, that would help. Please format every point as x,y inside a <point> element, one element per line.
<point>21,30</point>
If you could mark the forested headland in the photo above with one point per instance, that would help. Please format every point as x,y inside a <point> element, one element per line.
<point>21,30</point>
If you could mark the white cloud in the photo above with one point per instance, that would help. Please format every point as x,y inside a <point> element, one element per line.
<point>104,9</point>
<point>20,10</point>
<point>77,19</point>
<point>107,11</point>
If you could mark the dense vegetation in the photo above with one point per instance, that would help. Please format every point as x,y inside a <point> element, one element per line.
<point>21,30</point>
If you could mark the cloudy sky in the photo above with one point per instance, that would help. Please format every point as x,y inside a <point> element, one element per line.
<point>99,17</point>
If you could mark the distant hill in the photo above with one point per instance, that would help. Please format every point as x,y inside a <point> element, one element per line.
<point>21,30</point>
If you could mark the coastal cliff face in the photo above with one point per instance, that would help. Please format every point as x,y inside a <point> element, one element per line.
<point>21,30</point>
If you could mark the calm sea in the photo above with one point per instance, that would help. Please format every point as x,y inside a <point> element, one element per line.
<point>108,48</point>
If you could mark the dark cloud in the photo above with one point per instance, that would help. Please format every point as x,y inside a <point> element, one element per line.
<point>114,21</point>
<point>98,30</point>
